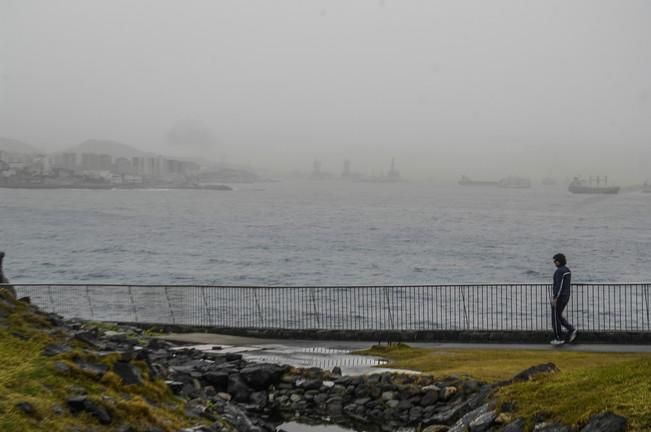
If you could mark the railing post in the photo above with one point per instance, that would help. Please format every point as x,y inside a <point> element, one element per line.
<point>169,304</point>
<point>316,312</point>
<point>133,305</point>
<point>205,305</point>
<point>49,290</point>
<point>257,305</point>
<point>90,303</point>
<point>646,298</point>
<point>388,303</point>
<point>465,311</point>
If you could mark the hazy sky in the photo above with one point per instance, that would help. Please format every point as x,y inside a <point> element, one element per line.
<point>483,88</point>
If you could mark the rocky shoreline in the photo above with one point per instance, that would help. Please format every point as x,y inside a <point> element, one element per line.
<point>225,392</point>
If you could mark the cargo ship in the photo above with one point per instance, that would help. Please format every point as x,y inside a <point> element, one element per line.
<point>579,186</point>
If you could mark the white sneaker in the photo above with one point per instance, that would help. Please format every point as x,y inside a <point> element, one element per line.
<point>557,342</point>
<point>572,336</point>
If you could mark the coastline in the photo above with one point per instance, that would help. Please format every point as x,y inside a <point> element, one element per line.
<point>112,187</point>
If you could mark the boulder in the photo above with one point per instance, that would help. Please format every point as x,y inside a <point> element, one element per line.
<point>238,388</point>
<point>219,380</point>
<point>55,349</point>
<point>550,427</point>
<point>515,426</point>
<point>128,372</point>
<point>534,371</point>
<point>436,428</point>
<point>430,398</point>
<point>28,409</point>
<point>261,376</point>
<point>606,422</point>
<point>95,370</point>
<point>77,404</point>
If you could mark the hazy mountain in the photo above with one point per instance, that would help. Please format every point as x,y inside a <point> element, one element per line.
<point>15,146</point>
<point>113,148</point>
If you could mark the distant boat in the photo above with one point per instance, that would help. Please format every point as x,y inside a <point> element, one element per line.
<point>646,187</point>
<point>515,183</point>
<point>465,181</point>
<point>579,186</point>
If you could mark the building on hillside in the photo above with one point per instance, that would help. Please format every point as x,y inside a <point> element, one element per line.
<point>96,162</point>
<point>122,166</point>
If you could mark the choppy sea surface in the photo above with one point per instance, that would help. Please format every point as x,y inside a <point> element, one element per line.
<point>322,233</point>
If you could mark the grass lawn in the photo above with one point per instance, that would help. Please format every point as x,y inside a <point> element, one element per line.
<point>588,383</point>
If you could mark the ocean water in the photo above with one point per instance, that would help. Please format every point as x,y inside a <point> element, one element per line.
<point>322,233</point>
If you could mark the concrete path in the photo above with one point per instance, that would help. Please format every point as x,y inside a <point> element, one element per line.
<point>238,341</point>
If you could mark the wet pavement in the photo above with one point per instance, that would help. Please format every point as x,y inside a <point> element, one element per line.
<point>299,356</point>
<point>236,341</point>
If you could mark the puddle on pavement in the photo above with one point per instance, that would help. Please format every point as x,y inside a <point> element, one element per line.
<point>304,357</point>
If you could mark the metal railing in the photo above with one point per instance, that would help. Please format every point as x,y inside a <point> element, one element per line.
<point>484,307</point>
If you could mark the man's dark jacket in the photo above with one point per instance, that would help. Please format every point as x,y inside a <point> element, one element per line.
<point>562,281</point>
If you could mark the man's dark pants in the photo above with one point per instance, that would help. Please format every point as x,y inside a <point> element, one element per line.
<point>558,321</point>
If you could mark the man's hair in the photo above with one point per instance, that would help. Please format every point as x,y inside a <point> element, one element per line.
<point>560,258</point>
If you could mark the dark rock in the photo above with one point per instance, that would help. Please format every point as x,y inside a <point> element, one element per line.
<point>515,426</point>
<point>534,371</point>
<point>606,422</point>
<point>336,371</point>
<point>479,398</point>
<point>239,419</point>
<point>61,368</point>
<point>233,357</point>
<point>311,384</point>
<point>89,338</point>
<point>95,370</point>
<point>429,398</point>
<point>258,399</point>
<point>344,380</point>
<point>159,344</point>
<point>54,349</point>
<point>219,380</point>
<point>175,386</point>
<point>28,409</point>
<point>448,413</point>
<point>128,372</point>
<point>99,412</point>
<point>238,388</point>
<point>464,422</point>
<point>550,427</point>
<point>362,390</point>
<point>195,408</point>
<point>335,406</point>
<point>58,410</point>
<point>261,376</point>
<point>482,422</point>
<point>76,403</point>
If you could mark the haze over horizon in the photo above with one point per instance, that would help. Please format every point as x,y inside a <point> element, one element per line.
<point>486,89</point>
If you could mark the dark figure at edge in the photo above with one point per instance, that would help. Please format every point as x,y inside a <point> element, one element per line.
<point>559,300</point>
<point>4,280</point>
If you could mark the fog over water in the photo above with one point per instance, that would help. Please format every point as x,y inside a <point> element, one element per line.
<point>485,89</point>
<point>323,233</point>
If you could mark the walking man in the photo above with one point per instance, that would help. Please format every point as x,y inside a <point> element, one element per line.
<point>559,299</point>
